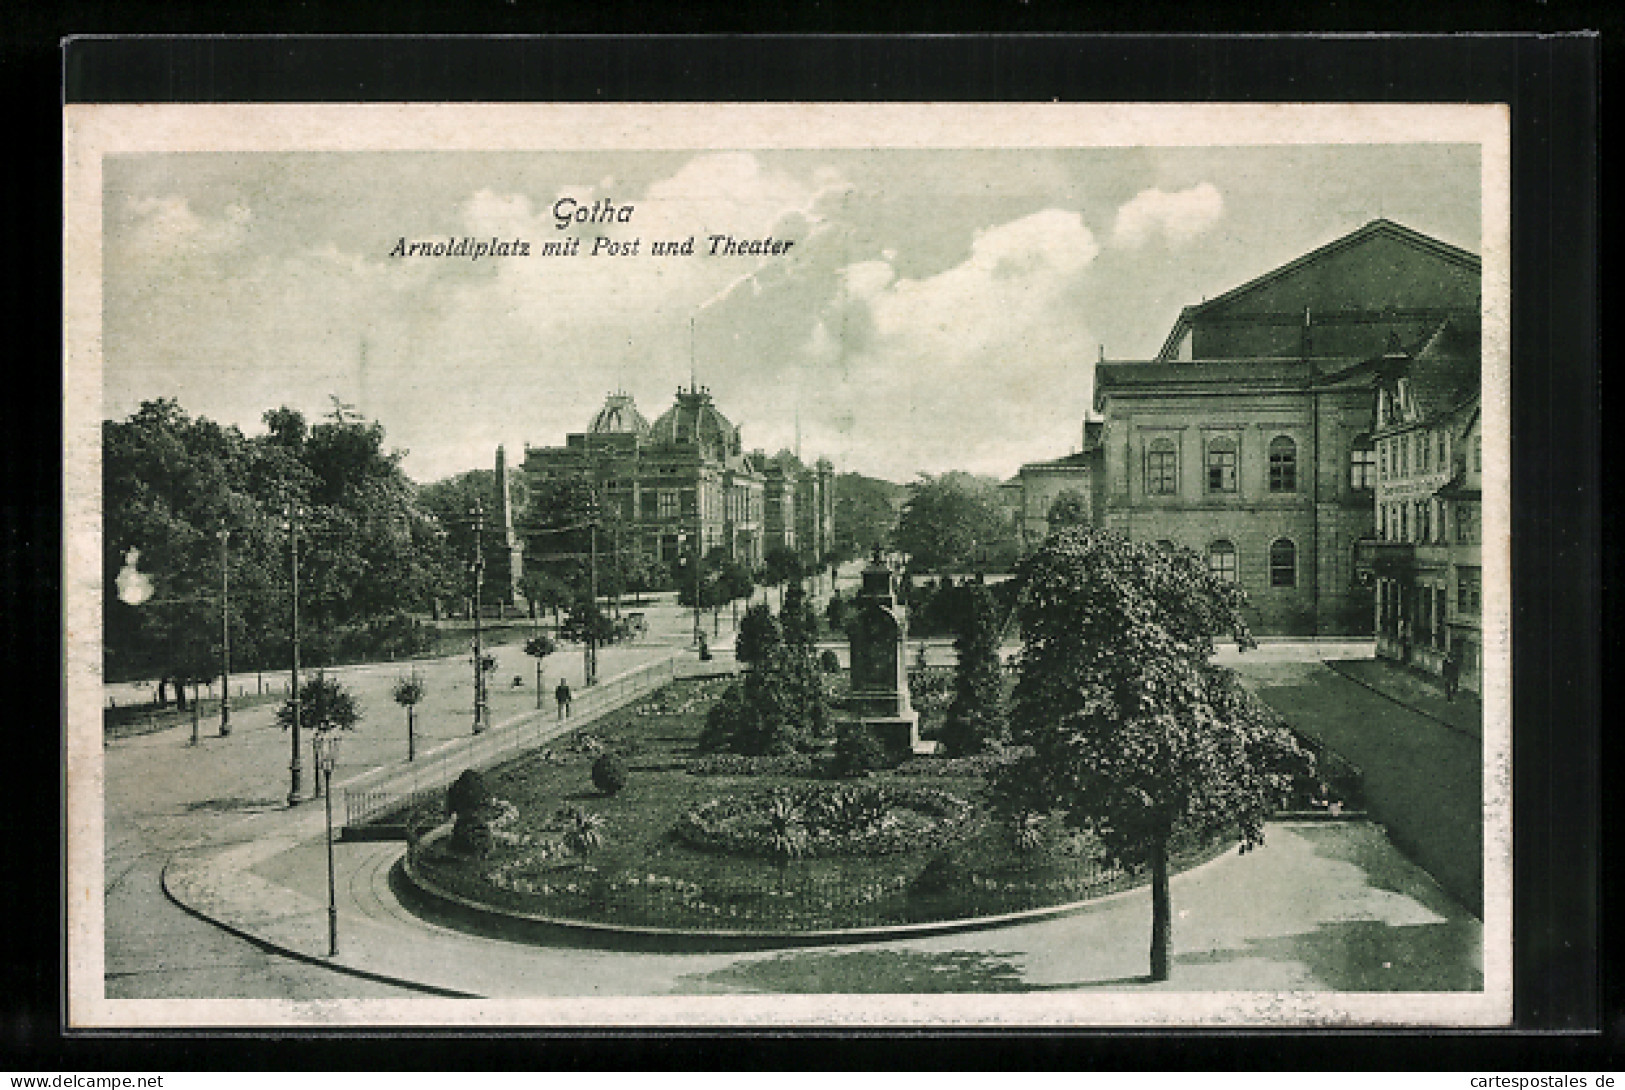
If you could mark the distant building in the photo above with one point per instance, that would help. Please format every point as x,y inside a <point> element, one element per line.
<point>1031,493</point>
<point>1249,437</point>
<point>686,476</point>
<point>799,506</point>
<point>1425,555</point>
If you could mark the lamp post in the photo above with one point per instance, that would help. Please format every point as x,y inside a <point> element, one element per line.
<point>478,568</point>
<point>326,745</point>
<point>295,765</point>
<point>225,636</point>
<point>591,671</point>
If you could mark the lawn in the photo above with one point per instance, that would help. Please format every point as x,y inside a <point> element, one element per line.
<point>646,873</point>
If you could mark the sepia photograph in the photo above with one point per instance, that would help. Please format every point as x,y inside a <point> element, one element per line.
<point>787,565</point>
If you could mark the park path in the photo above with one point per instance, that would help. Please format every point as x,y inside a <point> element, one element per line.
<point>1323,906</point>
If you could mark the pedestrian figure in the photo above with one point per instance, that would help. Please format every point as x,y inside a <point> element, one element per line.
<point>562,695</point>
<point>1452,674</point>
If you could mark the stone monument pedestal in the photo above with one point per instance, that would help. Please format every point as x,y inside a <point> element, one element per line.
<point>878,636</point>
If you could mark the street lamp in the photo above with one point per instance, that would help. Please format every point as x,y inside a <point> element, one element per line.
<point>225,636</point>
<point>326,746</point>
<point>295,765</point>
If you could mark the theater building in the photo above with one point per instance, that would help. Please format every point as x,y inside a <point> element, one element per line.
<point>1249,437</point>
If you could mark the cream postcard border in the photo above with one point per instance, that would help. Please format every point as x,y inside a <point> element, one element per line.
<point>94,132</point>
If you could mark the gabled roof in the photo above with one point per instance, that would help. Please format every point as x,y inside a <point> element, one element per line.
<point>1376,228</point>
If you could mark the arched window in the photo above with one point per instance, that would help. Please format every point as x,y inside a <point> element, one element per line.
<point>1283,465</point>
<point>1283,563</point>
<point>1161,468</point>
<point>1221,465</point>
<point>1362,464</point>
<point>1221,560</point>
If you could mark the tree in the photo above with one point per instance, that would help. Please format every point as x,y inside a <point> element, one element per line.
<point>759,635</point>
<point>797,619</point>
<point>538,648</point>
<point>976,718</point>
<point>835,612</point>
<point>325,706</point>
<point>952,521</point>
<point>1135,734</point>
<point>782,566</point>
<point>1070,508</point>
<point>408,693</point>
<point>865,513</point>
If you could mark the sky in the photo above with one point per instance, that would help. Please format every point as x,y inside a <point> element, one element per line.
<point>938,309</point>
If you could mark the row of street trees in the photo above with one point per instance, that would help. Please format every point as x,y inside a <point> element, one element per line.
<point>174,485</point>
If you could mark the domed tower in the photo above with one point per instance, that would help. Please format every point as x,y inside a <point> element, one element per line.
<point>695,420</point>
<point>619,416</point>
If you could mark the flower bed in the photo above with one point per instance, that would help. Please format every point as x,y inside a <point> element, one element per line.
<point>877,819</point>
<point>676,850</point>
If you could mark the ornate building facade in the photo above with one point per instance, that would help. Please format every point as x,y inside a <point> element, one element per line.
<point>1249,438</point>
<point>1425,555</point>
<point>686,476</point>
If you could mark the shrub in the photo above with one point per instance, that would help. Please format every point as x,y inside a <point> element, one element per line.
<point>829,662</point>
<point>857,752</point>
<point>609,774</point>
<point>942,873</point>
<point>468,794</point>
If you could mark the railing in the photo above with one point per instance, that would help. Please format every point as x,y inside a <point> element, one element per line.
<point>399,786</point>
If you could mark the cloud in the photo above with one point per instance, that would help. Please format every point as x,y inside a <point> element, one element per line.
<point>1178,216</point>
<point>980,366</point>
<point>167,227</point>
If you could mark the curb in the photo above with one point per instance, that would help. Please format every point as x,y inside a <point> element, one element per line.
<point>686,940</point>
<point>1331,664</point>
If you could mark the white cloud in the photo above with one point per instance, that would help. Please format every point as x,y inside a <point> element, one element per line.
<point>167,227</point>
<point>1179,216</point>
<point>999,336</point>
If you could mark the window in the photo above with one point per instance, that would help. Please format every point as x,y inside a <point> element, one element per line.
<point>1466,523</point>
<point>1283,465</point>
<point>1404,455</point>
<point>1441,601</point>
<point>668,503</point>
<point>1468,591</point>
<point>1162,468</point>
<point>1385,461</point>
<point>1478,454</point>
<point>1283,563</point>
<point>1221,465</point>
<point>1442,462</point>
<point>1426,453</point>
<point>1382,521</point>
<point>1404,522</point>
<point>1221,560</point>
<point>1362,464</point>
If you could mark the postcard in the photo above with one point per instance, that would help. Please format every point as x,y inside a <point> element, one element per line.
<point>719,565</point>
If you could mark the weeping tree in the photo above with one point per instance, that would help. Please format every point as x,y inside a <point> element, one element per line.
<point>1135,734</point>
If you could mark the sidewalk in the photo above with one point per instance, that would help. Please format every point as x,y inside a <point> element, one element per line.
<point>1322,907</point>
<point>1417,691</point>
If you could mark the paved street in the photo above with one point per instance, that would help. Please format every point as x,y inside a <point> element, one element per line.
<point>1321,907</point>
<point>162,794</point>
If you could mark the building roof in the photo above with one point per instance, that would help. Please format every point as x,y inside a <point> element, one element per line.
<point>619,416</point>
<point>1378,228</point>
<point>695,419</point>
